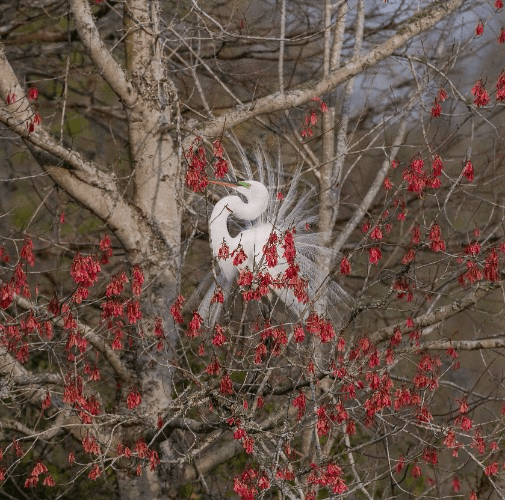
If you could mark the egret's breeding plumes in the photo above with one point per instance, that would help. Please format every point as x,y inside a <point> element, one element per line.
<point>273,251</point>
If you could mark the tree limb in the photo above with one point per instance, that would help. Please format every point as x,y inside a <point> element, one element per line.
<point>418,23</point>
<point>466,345</point>
<point>83,180</point>
<point>17,115</point>
<point>95,340</point>
<point>109,69</point>
<point>442,313</point>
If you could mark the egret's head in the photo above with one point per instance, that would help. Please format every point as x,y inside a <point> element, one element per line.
<point>249,188</point>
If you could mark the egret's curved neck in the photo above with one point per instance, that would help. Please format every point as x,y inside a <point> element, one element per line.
<point>218,225</point>
<point>257,202</point>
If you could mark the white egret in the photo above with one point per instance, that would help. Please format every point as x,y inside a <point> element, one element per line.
<point>252,240</point>
<point>265,242</point>
<point>254,213</point>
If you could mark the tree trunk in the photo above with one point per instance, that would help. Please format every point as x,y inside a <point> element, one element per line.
<point>157,191</point>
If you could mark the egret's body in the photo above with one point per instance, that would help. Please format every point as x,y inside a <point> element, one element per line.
<point>258,217</point>
<point>251,240</point>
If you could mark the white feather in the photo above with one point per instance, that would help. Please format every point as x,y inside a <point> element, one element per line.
<point>254,218</point>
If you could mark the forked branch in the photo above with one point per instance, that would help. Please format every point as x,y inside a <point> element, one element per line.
<point>416,24</point>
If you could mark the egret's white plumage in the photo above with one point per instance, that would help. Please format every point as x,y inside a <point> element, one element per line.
<point>255,211</point>
<point>252,210</point>
<point>251,240</point>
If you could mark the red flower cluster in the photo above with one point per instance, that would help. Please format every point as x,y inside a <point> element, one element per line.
<point>312,119</point>
<point>196,177</point>
<point>116,285</point>
<point>468,171</point>
<point>380,399</point>
<point>213,368</point>
<point>138,280</point>
<point>491,469</point>
<point>478,442</point>
<point>473,274</point>
<point>225,386</point>
<point>473,248</point>
<point>436,109</point>
<point>345,266</point>
<point>437,243</point>
<point>491,266</point>
<point>330,477</point>
<point>33,478</point>
<point>374,255</point>
<point>323,421</point>
<point>112,309</point>
<point>72,392</point>
<point>419,179</point>
<point>299,403</point>
<point>479,29</point>
<point>260,353</point>
<point>93,373</point>
<point>94,473</point>
<point>221,165</point>
<point>246,485</point>
<point>409,256</point>
<point>247,441</point>
<point>427,372</point>
<point>33,93</point>
<point>270,250</point>
<point>500,87</point>
<point>257,286</point>
<point>133,311</point>
<point>176,309</point>
<point>196,322</point>
<point>105,248</point>
<point>320,327</point>
<point>196,157</point>
<point>437,166</point>
<point>218,296</point>
<point>84,271</point>
<point>239,256</point>
<point>501,38</point>
<point>481,94</point>
<point>90,445</point>
<point>31,124</point>
<point>223,251</point>
<point>288,244</point>
<point>134,398</point>
<point>46,402</point>
<point>27,252</point>
<point>299,333</point>
<point>219,339</point>
<point>376,233</point>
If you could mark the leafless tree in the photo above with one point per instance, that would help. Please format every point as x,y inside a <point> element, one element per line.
<point>116,114</point>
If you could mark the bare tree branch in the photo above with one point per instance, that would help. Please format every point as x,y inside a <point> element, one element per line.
<point>417,24</point>
<point>95,340</point>
<point>442,313</point>
<point>466,345</point>
<point>107,66</point>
